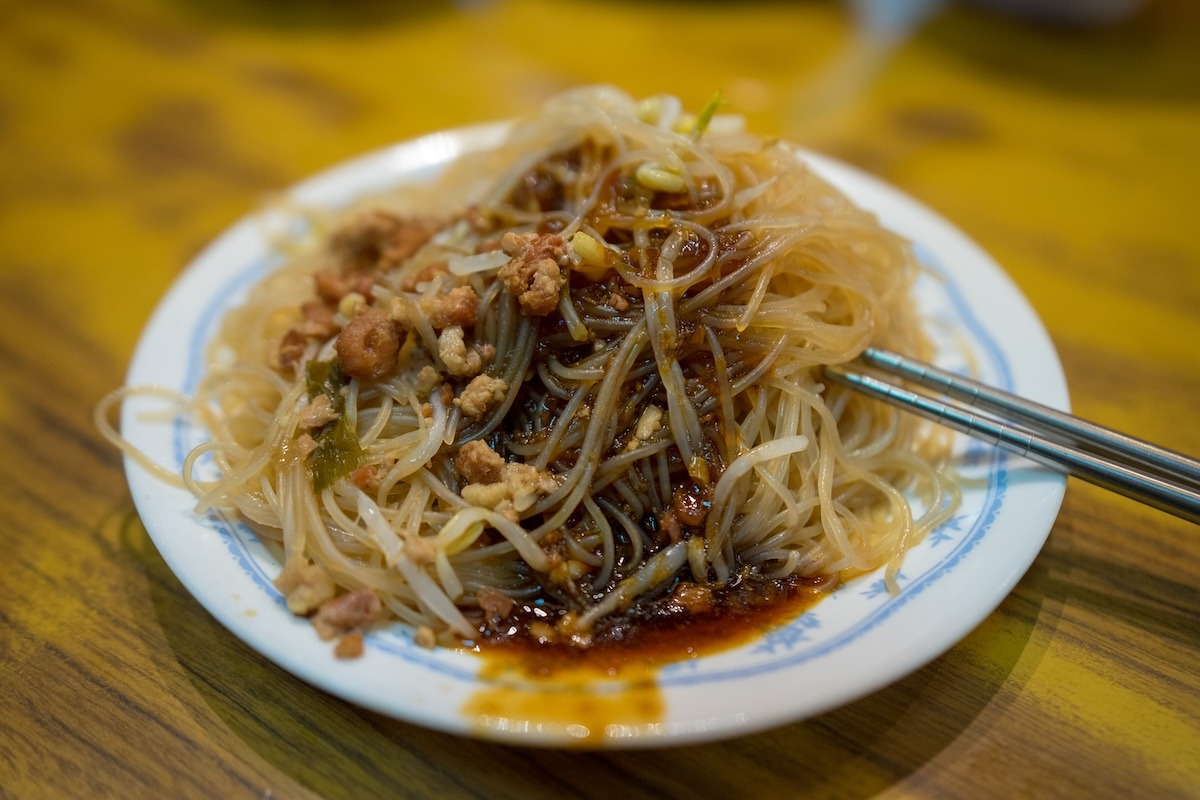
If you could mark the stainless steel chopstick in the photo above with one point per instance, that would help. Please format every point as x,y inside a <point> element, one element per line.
<point>1049,421</point>
<point>1030,436</point>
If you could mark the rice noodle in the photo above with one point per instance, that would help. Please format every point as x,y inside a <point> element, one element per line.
<point>680,364</point>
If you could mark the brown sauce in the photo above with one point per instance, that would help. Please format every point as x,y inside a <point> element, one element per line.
<point>609,688</point>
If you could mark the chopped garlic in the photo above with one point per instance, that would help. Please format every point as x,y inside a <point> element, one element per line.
<point>649,423</point>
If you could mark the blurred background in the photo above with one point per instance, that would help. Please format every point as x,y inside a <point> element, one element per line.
<point>135,130</point>
<point>1062,135</point>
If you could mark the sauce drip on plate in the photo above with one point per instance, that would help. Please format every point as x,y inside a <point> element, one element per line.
<point>608,689</point>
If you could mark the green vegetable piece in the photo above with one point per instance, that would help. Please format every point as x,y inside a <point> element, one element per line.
<point>337,453</point>
<point>325,377</point>
<point>710,110</point>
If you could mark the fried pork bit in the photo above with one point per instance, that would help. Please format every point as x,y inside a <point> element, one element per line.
<point>366,478</point>
<point>290,351</point>
<point>318,324</point>
<point>533,274</point>
<point>378,239</point>
<point>690,504</point>
<point>457,307</point>
<point>669,524</point>
<point>318,320</point>
<point>305,586</point>
<point>479,220</point>
<point>331,285</point>
<point>424,637</point>
<point>526,484</point>
<point>347,612</point>
<point>306,444</point>
<point>695,598</point>
<point>518,487</point>
<point>495,604</point>
<point>367,347</point>
<point>461,361</point>
<point>479,463</point>
<point>487,495</point>
<point>482,393</point>
<point>317,413</point>
<point>425,274</point>
<point>427,380</point>
<point>349,646</point>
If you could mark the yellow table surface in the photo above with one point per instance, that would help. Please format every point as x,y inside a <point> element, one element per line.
<point>133,131</point>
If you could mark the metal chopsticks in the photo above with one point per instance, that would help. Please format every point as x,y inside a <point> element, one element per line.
<point>1142,471</point>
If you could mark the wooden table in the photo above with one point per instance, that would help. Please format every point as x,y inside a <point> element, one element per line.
<point>133,131</point>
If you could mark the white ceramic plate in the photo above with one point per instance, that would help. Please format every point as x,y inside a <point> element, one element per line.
<point>855,641</point>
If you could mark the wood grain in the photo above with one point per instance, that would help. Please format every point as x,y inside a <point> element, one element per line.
<point>133,131</point>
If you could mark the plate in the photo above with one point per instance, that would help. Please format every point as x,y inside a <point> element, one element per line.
<point>857,640</point>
